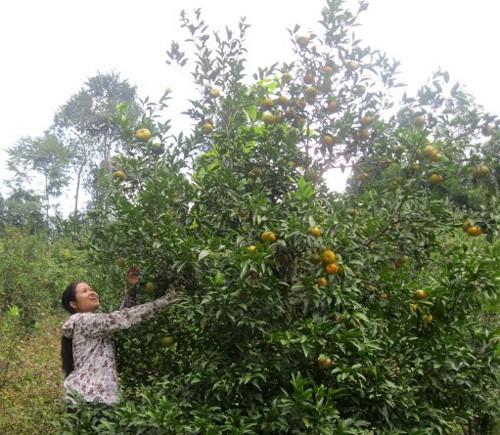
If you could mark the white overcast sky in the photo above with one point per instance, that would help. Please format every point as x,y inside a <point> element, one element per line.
<point>48,48</point>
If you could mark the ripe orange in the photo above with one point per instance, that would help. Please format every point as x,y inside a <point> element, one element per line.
<point>327,140</point>
<point>214,93</point>
<point>322,281</point>
<point>435,179</point>
<point>481,171</point>
<point>414,307</point>
<point>302,41</point>
<point>311,93</point>
<point>328,70</point>
<point>420,294</point>
<point>427,318</point>
<point>282,101</point>
<point>324,362</point>
<point>315,232</point>
<point>352,65</point>
<point>252,248</point>
<point>333,106</point>
<point>119,175</point>
<point>308,79</point>
<point>143,134</point>
<point>332,268</point>
<point>366,120</point>
<point>401,260</point>
<point>207,128</point>
<point>474,231</point>
<point>328,256</point>
<point>286,77</point>
<point>266,104</point>
<point>268,236</point>
<point>268,118</point>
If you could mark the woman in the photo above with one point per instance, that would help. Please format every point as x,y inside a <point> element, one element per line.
<point>87,350</point>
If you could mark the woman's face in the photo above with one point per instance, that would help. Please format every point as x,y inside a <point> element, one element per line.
<point>87,300</point>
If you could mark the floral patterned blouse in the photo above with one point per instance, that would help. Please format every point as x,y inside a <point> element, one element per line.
<point>95,376</point>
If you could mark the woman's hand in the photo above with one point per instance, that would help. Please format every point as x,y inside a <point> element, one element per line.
<point>133,276</point>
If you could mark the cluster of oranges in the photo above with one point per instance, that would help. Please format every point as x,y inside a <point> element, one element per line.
<point>471,230</point>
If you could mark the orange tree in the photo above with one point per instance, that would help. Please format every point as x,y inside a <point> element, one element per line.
<point>306,310</point>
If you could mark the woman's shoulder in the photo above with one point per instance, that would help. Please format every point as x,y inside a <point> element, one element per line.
<point>73,321</point>
<point>69,325</point>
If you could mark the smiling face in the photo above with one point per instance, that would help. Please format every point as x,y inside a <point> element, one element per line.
<point>87,300</point>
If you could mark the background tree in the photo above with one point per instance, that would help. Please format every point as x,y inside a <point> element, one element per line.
<point>24,210</point>
<point>45,156</point>
<point>89,124</point>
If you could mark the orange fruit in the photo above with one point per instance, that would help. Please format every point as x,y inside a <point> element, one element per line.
<point>266,104</point>
<point>315,232</point>
<point>366,120</point>
<point>143,134</point>
<point>282,101</point>
<point>119,175</point>
<point>252,248</point>
<point>308,78</point>
<point>333,106</point>
<point>420,294</point>
<point>324,362</point>
<point>474,231</point>
<point>207,128</point>
<point>352,65</point>
<point>268,236</point>
<point>401,260</point>
<point>322,281</point>
<point>166,341</point>
<point>328,256</point>
<point>466,225</point>
<point>149,287</point>
<point>435,179</point>
<point>214,93</point>
<point>332,268</point>
<point>427,318</point>
<point>311,93</point>
<point>303,41</point>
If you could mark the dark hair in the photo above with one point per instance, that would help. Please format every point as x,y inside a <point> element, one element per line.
<point>69,295</point>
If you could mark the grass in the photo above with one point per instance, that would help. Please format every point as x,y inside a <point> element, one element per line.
<point>31,383</point>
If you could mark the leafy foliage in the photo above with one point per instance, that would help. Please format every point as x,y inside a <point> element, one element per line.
<point>394,331</point>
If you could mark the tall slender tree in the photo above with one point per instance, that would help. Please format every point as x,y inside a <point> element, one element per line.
<point>88,122</point>
<point>43,156</point>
